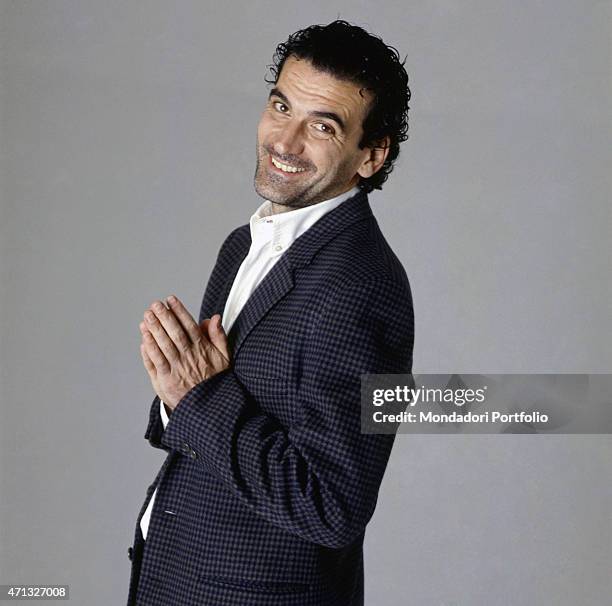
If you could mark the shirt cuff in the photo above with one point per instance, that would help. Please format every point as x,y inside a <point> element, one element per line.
<point>163,413</point>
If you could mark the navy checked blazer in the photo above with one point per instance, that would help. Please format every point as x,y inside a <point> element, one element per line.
<point>268,483</point>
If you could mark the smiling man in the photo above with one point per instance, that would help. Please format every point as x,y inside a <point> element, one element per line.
<point>308,138</point>
<point>269,484</point>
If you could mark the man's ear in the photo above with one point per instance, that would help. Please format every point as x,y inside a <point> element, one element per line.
<point>376,158</point>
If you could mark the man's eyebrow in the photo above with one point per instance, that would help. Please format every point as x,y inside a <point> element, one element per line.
<point>276,92</point>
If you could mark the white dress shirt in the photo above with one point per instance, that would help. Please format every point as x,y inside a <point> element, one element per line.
<point>271,236</point>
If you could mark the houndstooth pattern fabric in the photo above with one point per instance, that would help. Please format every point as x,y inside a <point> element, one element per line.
<point>269,484</point>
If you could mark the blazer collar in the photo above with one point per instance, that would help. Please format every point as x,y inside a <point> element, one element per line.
<point>280,280</point>
<point>328,227</point>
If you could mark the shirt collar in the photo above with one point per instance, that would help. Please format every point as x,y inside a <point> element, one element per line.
<point>279,231</point>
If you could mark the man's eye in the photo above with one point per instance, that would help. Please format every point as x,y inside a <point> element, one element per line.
<point>281,107</point>
<point>324,128</point>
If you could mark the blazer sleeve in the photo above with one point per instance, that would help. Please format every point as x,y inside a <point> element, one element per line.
<point>318,478</point>
<point>156,426</point>
<point>156,423</point>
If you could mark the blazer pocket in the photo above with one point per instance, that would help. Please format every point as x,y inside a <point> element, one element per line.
<point>253,586</point>
<point>276,397</point>
<point>247,376</point>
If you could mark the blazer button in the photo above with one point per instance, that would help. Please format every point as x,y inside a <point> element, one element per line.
<point>130,554</point>
<point>185,448</point>
<point>193,454</point>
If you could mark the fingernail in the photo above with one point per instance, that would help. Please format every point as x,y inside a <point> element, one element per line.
<point>172,299</point>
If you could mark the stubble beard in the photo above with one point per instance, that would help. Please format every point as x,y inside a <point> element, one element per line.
<point>264,186</point>
<point>276,189</point>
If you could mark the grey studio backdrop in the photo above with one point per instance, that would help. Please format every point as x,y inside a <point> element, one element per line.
<point>127,156</point>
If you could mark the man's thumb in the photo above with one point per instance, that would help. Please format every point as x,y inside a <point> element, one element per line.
<point>217,336</point>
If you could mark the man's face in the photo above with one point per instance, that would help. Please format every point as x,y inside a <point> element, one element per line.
<point>308,135</point>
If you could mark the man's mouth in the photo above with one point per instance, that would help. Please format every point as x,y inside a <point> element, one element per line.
<point>286,168</point>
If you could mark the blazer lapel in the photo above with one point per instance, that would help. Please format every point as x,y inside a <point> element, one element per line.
<point>229,280</point>
<point>280,279</point>
<point>276,284</point>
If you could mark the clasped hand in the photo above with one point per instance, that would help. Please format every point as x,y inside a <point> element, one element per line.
<point>177,352</point>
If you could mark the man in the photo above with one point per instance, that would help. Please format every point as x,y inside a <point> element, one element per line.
<point>269,483</point>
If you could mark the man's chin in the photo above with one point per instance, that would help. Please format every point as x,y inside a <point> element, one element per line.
<point>289,199</point>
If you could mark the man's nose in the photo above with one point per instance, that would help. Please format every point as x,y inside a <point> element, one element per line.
<point>289,140</point>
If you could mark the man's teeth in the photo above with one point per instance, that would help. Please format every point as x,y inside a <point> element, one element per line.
<point>286,168</point>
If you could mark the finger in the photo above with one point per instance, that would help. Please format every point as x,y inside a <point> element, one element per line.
<point>204,327</point>
<point>161,363</point>
<point>217,336</point>
<point>165,343</point>
<point>148,363</point>
<point>171,325</point>
<point>185,318</point>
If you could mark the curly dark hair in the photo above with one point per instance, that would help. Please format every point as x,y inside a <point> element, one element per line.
<point>350,53</point>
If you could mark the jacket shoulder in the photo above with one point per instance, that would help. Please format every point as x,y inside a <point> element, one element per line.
<point>361,254</point>
<point>237,238</point>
